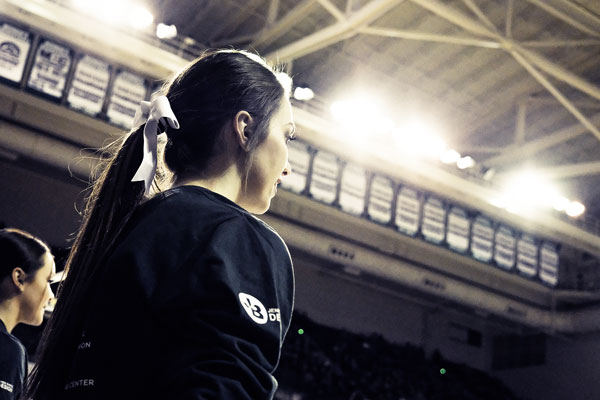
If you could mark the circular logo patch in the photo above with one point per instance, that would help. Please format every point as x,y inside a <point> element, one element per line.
<point>254,308</point>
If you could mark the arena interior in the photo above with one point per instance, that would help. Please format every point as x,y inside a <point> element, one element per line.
<point>443,212</point>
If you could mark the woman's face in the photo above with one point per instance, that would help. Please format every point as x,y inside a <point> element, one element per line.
<point>269,161</point>
<point>37,293</point>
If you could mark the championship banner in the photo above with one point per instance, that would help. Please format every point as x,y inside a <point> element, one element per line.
<point>353,189</point>
<point>127,93</point>
<point>90,83</point>
<point>381,196</point>
<point>50,69</point>
<point>14,48</point>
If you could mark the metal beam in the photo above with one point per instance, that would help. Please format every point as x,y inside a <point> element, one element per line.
<point>540,61</point>
<point>336,32</point>
<point>430,37</point>
<point>271,34</point>
<point>556,93</point>
<point>332,9</point>
<point>561,43</point>
<point>565,16</point>
<point>530,148</point>
<point>571,170</point>
<point>510,7</point>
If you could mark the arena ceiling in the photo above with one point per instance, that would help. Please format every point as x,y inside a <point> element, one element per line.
<point>514,83</point>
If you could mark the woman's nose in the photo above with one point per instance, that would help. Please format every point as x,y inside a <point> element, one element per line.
<point>287,170</point>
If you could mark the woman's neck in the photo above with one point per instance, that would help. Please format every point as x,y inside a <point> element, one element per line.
<point>8,314</point>
<point>227,184</point>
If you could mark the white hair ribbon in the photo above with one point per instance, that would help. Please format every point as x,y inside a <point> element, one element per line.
<point>156,114</point>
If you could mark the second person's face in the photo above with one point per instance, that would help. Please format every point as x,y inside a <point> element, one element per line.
<point>38,293</point>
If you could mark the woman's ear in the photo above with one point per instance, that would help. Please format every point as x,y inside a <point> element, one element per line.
<point>242,128</point>
<point>18,278</point>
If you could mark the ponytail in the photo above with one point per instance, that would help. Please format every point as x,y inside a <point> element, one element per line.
<point>110,204</point>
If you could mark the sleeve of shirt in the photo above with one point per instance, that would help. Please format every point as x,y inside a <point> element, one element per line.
<point>223,310</point>
<point>13,366</point>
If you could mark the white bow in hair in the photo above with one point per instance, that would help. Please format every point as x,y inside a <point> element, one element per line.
<point>152,113</point>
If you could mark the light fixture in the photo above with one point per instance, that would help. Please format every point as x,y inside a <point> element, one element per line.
<point>303,93</point>
<point>140,17</point>
<point>450,156</point>
<point>465,162</point>
<point>575,209</point>
<point>164,31</point>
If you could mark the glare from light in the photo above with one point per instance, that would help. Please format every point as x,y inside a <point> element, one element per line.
<point>164,31</point>
<point>117,12</point>
<point>357,119</point>
<point>450,156</point>
<point>560,203</point>
<point>417,137</point>
<point>303,93</point>
<point>465,162</point>
<point>140,17</point>
<point>575,209</point>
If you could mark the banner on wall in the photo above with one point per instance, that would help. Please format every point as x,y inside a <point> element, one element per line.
<point>381,197</point>
<point>504,248</point>
<point>527,256</point>
<point>90,83</point>
<point>50,69</point>
<point>458,230</point>
<point>14,48</point>
<point>127,92</point>
<point>549,262</point>
<point>353,189</point>
<point>323,182</point>
<point>482,239</point>
<point>408,211</point>
<point>434,220</point>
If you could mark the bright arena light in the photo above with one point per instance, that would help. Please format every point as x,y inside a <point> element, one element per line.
<point>465,162</point>
<point>140,18</point>
<point>560,203</point>
<point>418,137</point>
<point>117,12</point>
<point>303,93</point>
<point>529,193</point>
<point>164,31</point>
<point>450,156</point>
<point>575,209</point>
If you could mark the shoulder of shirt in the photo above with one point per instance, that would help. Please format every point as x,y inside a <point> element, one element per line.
<point>11,347</point>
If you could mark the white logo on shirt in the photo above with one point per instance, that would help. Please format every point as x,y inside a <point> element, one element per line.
<point>254,308</point>
<point>6,386</point>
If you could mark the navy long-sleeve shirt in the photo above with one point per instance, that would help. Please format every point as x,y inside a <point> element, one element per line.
<point>13,365</point>
<point>194,303</point>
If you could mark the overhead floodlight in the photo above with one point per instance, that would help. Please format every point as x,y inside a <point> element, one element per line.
<point>465,162</point>
<point>575,209</point>
<point>450,156</point>
<point>560,203</point>
<point>303,93</point>
<point>164,31</point>
<point>117,12</point>
<point>140,17</point>
<point>417,137</point>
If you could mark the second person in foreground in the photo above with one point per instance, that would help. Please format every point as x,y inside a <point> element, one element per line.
<point>186,295</point>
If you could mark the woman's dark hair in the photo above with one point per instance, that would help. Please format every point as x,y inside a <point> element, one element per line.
<point>204,97</point>
<point>20,249</point>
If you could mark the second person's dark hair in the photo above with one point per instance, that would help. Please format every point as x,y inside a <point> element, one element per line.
<point>20,249</point>
<point>204,97</point>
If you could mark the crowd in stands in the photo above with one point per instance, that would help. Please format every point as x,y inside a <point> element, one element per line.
<point>322,363</point>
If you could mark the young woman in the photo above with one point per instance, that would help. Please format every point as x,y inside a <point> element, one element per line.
<point>26,269</point>
<point>188,295</point>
